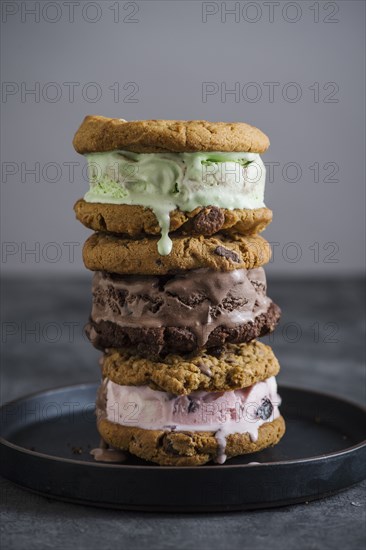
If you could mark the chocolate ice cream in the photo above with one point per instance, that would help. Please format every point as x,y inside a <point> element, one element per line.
<point>185,312</point>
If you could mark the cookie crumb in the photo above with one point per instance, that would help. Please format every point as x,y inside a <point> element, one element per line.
<point>77,450</point>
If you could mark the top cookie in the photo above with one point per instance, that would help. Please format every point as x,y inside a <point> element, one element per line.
<point>99,134</point>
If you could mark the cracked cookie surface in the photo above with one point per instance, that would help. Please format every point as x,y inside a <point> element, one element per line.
<point>107,252</point>
<point>100,134</point>
<point>237,366</point>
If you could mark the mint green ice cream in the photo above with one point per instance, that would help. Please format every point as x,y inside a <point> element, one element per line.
<point>166,181</point>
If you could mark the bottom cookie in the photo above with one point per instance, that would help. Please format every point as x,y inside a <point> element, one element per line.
<point>187,448</point>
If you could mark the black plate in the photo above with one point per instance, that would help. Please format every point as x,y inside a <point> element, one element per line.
<point>47,438</point>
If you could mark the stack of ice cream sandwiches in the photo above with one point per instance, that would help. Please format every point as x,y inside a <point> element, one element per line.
<point>179,290</point>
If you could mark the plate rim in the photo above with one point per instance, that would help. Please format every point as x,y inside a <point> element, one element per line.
<point>148,466</point>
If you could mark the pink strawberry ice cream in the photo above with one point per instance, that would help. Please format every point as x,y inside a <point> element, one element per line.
<point>239,411</point>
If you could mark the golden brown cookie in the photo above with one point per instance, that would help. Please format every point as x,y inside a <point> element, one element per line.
<point>100,134</point>
<point>107,252</point>
<point>238,366</point>
<point>186,448</point>
<point>135,221</point>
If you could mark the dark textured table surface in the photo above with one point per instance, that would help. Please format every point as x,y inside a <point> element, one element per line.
<point>320,345</point>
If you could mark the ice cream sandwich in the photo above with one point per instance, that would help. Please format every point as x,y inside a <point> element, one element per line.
<point>188,412</point>
<point>179,293</point>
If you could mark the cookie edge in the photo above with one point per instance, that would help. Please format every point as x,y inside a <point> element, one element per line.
<point>101,134</point>
<point>134,441</point>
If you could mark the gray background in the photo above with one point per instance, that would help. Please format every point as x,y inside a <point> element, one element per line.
<point>168,52</point>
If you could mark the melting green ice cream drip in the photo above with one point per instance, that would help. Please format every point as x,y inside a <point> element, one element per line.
<point>166,181</point>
